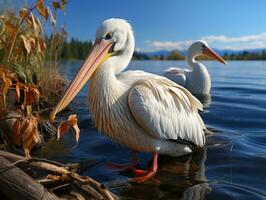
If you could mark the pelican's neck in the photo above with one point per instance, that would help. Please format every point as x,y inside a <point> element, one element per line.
<point>198,80</point>
<point>191,59</point>
<point>107,93</point>
<point>197,67</point>
<point>104,84</point>
<point>105,88</point>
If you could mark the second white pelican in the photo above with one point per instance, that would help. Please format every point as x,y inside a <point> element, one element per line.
<point>145,112</point>
<point>197,80</point>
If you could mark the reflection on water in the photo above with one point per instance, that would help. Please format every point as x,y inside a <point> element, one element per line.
<point>182,178</point>
<point>231,166</point>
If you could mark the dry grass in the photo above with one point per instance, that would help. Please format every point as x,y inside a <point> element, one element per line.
<point>25,50</point>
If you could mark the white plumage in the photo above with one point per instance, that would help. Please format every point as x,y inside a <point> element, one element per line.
<point>166,110</point>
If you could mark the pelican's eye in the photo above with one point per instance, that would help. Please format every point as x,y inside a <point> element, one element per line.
<point>203,46</point>
<point>109,36</point>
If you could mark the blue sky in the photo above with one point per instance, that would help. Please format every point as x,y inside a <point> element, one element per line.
<point>174,24</point>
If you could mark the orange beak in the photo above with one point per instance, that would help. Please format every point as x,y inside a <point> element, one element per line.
<point>208,51</point>
<point>98,55</point>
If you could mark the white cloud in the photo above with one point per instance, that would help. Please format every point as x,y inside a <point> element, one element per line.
<point>219,41</point>
<point>169,45</point>
<point>246,45</point>
<point>246,38</point>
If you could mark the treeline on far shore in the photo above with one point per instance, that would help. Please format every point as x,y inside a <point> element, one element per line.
<point>75,49</point>
<point>175,55</point>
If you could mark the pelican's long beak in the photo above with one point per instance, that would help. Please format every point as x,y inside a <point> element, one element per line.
<point>99,53</point>
<point>208,51</point>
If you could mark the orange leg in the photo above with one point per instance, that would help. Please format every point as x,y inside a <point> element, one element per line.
<point>146,174</point>
<point>122,167</point>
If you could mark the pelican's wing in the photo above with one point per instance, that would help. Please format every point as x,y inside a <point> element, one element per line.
<point>166,110</point>
<point>177,75</point>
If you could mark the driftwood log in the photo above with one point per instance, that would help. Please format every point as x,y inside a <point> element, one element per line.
<point>16,184</point>
<point>56,180</point>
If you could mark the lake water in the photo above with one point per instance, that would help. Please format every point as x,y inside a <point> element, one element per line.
<point>231,166</point>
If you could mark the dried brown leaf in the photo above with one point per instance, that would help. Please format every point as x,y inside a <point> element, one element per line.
<point>6,81</point>
<point>19,86</point>
<point>25,133</point>
<point>56,5</point>
<point>77,131</point>
<point>26,43</point>
<point>10,29</point>
<point>42,10</point>
<point>30,136</point>
<point>5,84</point>
<point>32,95</point>
<point>63,127</point>
<point>40,7</point>
<point>17,92</point>
<point>23,13</point>
<point>40,4</point>
<point>42,44</point>
<point>34,24</point>
<point>6,73</point>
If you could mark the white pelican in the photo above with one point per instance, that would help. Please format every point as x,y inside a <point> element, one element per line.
<point>197,79</point>
<point>145,112</point>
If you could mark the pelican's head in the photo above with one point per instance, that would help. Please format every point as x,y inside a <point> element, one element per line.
<point>116,32</point>
<point>201,47</point>
<point>114,41</point>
